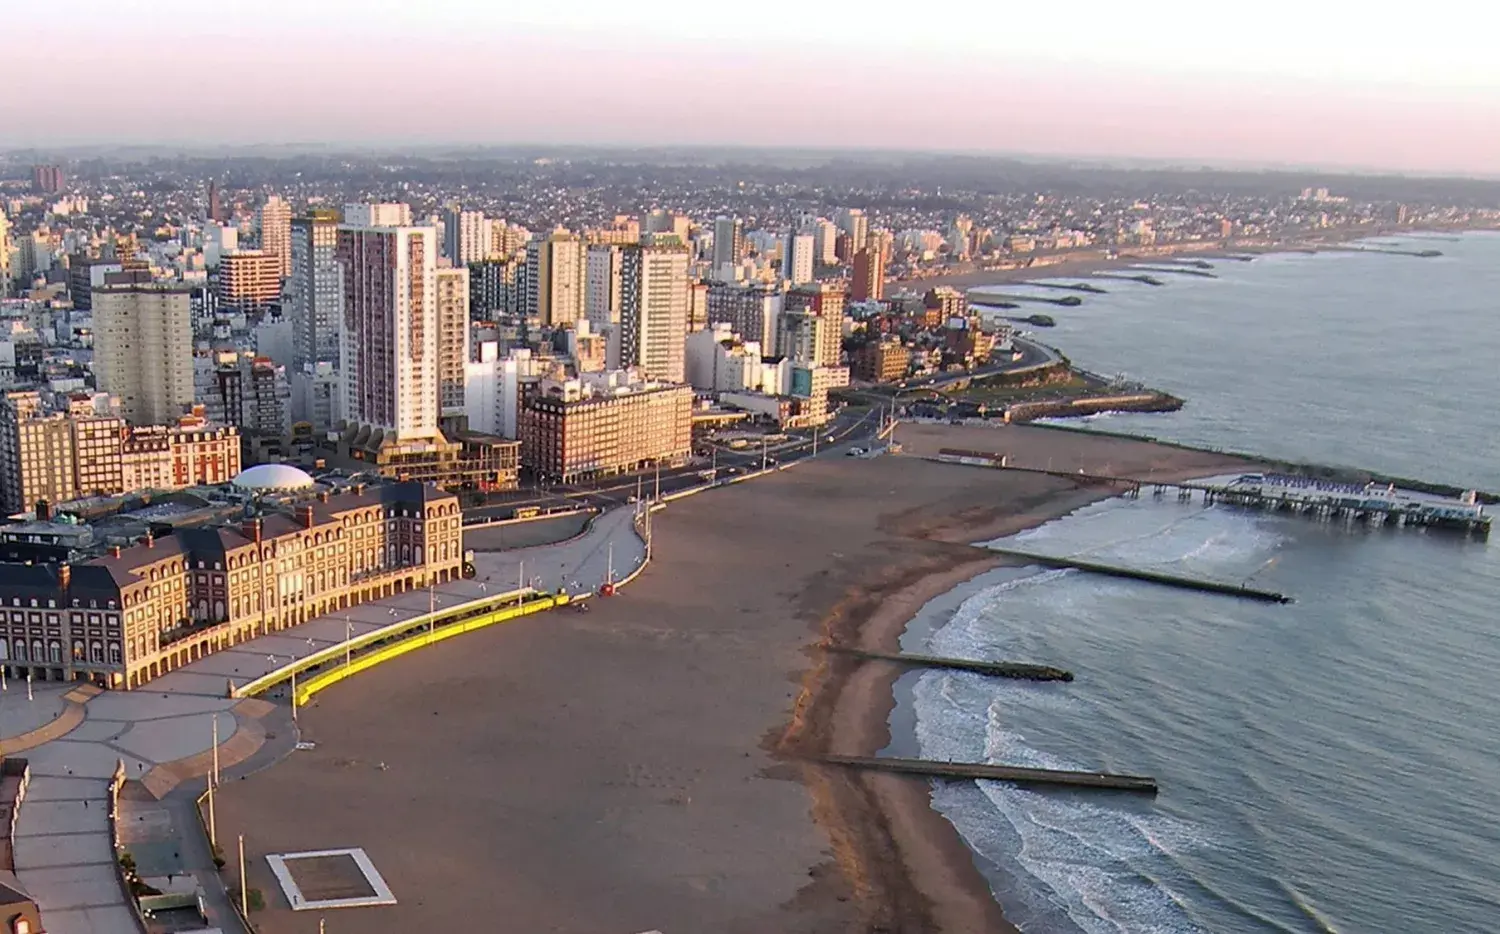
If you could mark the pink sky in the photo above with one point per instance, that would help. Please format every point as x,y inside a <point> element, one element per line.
<point>228,83</point>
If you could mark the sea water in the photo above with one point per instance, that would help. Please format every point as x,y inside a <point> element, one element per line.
<point>1328,765</point>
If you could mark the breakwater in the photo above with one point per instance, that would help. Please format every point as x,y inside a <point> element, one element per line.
<point>1018,671</point>
<point>1127,277</point>
<point>997,299</point>
<point>1178,271</point>
<point>1045,778</point>
<point>1092,405</point>
<point>1151,577</point>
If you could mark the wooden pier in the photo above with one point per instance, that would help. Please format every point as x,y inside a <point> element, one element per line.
<point>1151,577</point>
<point>1045,778</point>
<point>1015,670</point>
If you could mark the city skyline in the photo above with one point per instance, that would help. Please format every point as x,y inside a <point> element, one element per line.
<point>1290,85</point>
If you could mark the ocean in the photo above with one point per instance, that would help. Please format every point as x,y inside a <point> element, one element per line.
<point>1326,766</point>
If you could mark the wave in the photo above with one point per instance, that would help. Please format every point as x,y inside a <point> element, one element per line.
<point>1304,904</point>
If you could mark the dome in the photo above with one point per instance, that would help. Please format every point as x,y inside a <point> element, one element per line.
<point>263,477</point>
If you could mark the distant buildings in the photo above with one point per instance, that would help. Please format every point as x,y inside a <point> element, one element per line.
<point>47,179</point>
<point>249,281</point>
<point>602,281</point>
<point>942,304</point>
<point>143,350</point>
<point>215,208</point>
<point>602,424</point>
<point>750,310</point>
<point>315,289</point>
<point>797,258</point>
<point>389,214</point>
<point>466,236</point>
<point>812,325</point>
<point>729,244</point>
<point>882,361</point>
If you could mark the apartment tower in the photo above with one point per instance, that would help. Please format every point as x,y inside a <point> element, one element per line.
<point>654,309</point>
<point>143,349</point>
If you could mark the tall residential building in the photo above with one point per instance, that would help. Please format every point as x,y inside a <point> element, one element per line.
<point>729,243</point>
<point>554,278</point>
<point>218,239</point>
<point>389,339</point>
<point>388,214</point>
<point>576,428</point>
<point>315,289</point>
<point>466,236</point>
<point>750,310</point>
<point>856,226</point>
<point>492,288</point>
<point>654,309</point>
<point>47,179</point>
<point>812,325</point>
<point>5,270</point>
<point>249,281</point>
<point>797,258</point>
<point>868,282</point>
<point>666,222</point>
<point>275,222</point>
<point>215,206</point>
<point>143,350</point>
<point>825,242</point>
<point>453,338</point>
<point>601,303</point>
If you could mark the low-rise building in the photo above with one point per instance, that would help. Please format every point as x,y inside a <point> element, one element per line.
<point>882,361</point>
<point>602,424</point>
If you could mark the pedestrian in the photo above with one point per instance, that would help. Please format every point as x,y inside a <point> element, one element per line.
<point>85,804</point>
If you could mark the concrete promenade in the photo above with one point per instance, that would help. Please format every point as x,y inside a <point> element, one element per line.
<point>164,734</point>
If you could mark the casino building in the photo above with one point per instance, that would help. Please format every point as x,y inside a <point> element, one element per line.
<point>136,613</point>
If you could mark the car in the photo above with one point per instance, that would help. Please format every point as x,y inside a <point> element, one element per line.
<point>856,452</point>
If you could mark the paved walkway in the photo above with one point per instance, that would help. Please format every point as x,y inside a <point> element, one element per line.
<point>164,735</point>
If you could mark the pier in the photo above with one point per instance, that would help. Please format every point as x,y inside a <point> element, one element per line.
<point>1044,778</point>
<point>1180,581</point>
<point>1393,251</point>
<point>1014,670</point>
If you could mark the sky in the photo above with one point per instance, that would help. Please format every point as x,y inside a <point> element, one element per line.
<point>1310,83</point>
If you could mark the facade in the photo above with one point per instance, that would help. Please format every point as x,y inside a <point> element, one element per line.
<point>729,244</point>
<point>143,350</point>
<point>570,430</point>
<point>492,288</point>
<point>143,611</point>
<point>856,226</point>
<point>751,310</point>
<point>249,281</point>
<point>601,303</point>
<point>389,343</point>
<point>315,289</point>
<point>797,258</point>
<point>812,325</point>
<point>275,221</point>
<point>47,179</point>
<point>654,309</point>
<point>466,236</point>
<point>248,392</point>
<point>453,338</point>
<point>555,278</point>
<point>389,214</point>
<point>882,361</point>
<point>83,452</point>
<point>868,283</point>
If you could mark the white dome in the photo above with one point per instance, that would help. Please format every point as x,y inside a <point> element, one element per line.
<point>273,477</point>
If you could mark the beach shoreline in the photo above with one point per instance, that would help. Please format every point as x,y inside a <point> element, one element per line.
<point>659,755</point>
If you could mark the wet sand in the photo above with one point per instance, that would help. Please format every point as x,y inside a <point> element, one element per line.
<point>651,764</point>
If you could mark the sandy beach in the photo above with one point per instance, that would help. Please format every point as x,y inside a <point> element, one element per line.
<point>652,764</point>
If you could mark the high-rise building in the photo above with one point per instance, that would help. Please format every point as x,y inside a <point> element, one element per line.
<point>825,242</point>
<point>554,278</point>
<point>856,227</point>
<point>275,221</point>
<point>218,239</point>
<point>248,392</point>
<point>453,338</point>
<point>868,283</point>
<point>729,243</point>
<point>666,222</point>
<point>387,214</point>
<point>601,303</point>
<point>624,229</point>
<point>315,289</point>
<point>215,206</point>
<point>249,281</point>
<point>47,179</point>
<point>143,350</point>
<point>5,270</point>
<point>492,288</point>
<point>749,309</point>
<point>466,236</point>
<point>389,339</point>
<point>576,428</point>
<point>797,258</point>
<point>812,325</point>
<point>654,309</point>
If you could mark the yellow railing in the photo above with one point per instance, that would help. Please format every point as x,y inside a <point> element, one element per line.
<point>326,679</point>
